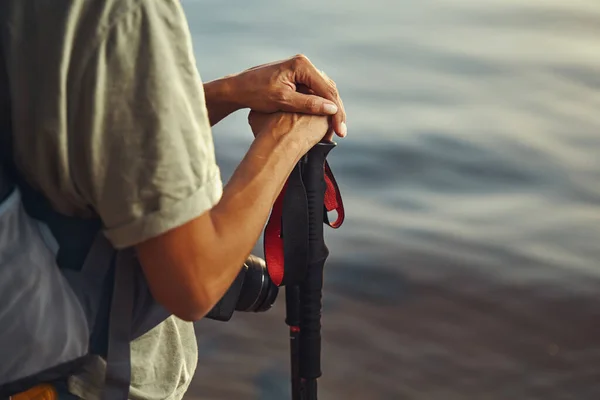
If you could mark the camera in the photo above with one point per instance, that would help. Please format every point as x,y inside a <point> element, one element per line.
<point>251,291</point>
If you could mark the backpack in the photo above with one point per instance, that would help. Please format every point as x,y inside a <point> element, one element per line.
<point>65,292</point>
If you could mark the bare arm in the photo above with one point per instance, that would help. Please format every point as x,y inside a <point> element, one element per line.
<point>147,166</point>
<point>191,267</point>
<point>220,99</point>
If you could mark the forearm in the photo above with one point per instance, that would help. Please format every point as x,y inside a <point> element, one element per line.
<point>191,267</point>
<point>220,99</point>
<point>241,214</point>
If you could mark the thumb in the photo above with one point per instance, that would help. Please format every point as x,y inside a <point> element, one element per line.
<point>309,104</point>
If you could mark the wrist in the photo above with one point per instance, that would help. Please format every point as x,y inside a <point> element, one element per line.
<point>221,98</point>
<point>228,89</point>
<point>286,145</point>
<point>288,138</point>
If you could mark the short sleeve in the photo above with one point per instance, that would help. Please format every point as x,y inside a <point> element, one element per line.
<point>142,153</point>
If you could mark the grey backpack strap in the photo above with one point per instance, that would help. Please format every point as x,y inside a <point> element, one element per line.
<point>118,359</point>
<point>89,283</point>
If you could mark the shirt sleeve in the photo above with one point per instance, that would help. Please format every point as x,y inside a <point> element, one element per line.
<point>142,149</point>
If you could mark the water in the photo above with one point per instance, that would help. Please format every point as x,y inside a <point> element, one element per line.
<point>468,264</point>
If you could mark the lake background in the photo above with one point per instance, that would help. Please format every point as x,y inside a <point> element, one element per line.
<point>468,265</point>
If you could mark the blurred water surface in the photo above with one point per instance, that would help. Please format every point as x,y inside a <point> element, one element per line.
<point>468,264</point>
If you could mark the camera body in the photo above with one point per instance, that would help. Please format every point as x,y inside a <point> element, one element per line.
<point>251,291</point>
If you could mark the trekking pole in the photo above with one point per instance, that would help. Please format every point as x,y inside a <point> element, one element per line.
<point>311,288</point>
<point>295,253</point>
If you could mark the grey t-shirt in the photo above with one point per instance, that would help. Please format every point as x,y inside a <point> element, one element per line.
<point>109,118</point>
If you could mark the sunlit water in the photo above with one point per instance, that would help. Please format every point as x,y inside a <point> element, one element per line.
<point>468,264</point>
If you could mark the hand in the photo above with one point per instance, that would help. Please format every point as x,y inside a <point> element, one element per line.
<point>306,129</point>
<point>293,85</point>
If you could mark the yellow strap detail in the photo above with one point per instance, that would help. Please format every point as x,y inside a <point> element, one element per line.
<point>39,392</point>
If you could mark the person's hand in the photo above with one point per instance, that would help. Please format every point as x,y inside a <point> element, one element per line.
<point>307,130</point>
<point>293,85</point>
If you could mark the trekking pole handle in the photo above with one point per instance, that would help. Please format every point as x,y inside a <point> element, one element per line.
<point>313,177</point>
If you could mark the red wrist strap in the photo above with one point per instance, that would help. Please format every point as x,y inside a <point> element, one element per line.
<point>273,240</point>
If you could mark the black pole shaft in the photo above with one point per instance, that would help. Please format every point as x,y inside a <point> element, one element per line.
<point>292,307</point>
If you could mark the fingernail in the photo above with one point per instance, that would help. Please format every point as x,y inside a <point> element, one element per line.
<point>330,108</point>
<point>344,129</point>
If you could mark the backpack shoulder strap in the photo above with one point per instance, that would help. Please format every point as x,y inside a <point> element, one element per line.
<point>6,185</point>
<point>118,357</point>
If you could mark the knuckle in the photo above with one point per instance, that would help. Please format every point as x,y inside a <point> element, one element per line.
<point>299,61</point>
<point>300,57</point>
<point>332,91</point>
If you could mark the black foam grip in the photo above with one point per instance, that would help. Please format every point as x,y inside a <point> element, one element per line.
<point>292,302</point>
<point>295,229</point>
<point>310,323</point>
<point>292,305</point>
<point>313,176</point>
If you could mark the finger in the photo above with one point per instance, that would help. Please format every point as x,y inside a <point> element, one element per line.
<point>307,74</point>
<point>339,119</point>
<point>308,104</point>
<point>330,132</point>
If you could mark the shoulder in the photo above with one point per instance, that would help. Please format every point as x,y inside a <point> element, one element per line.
<point>80,72</point>
<point>81,19</point>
